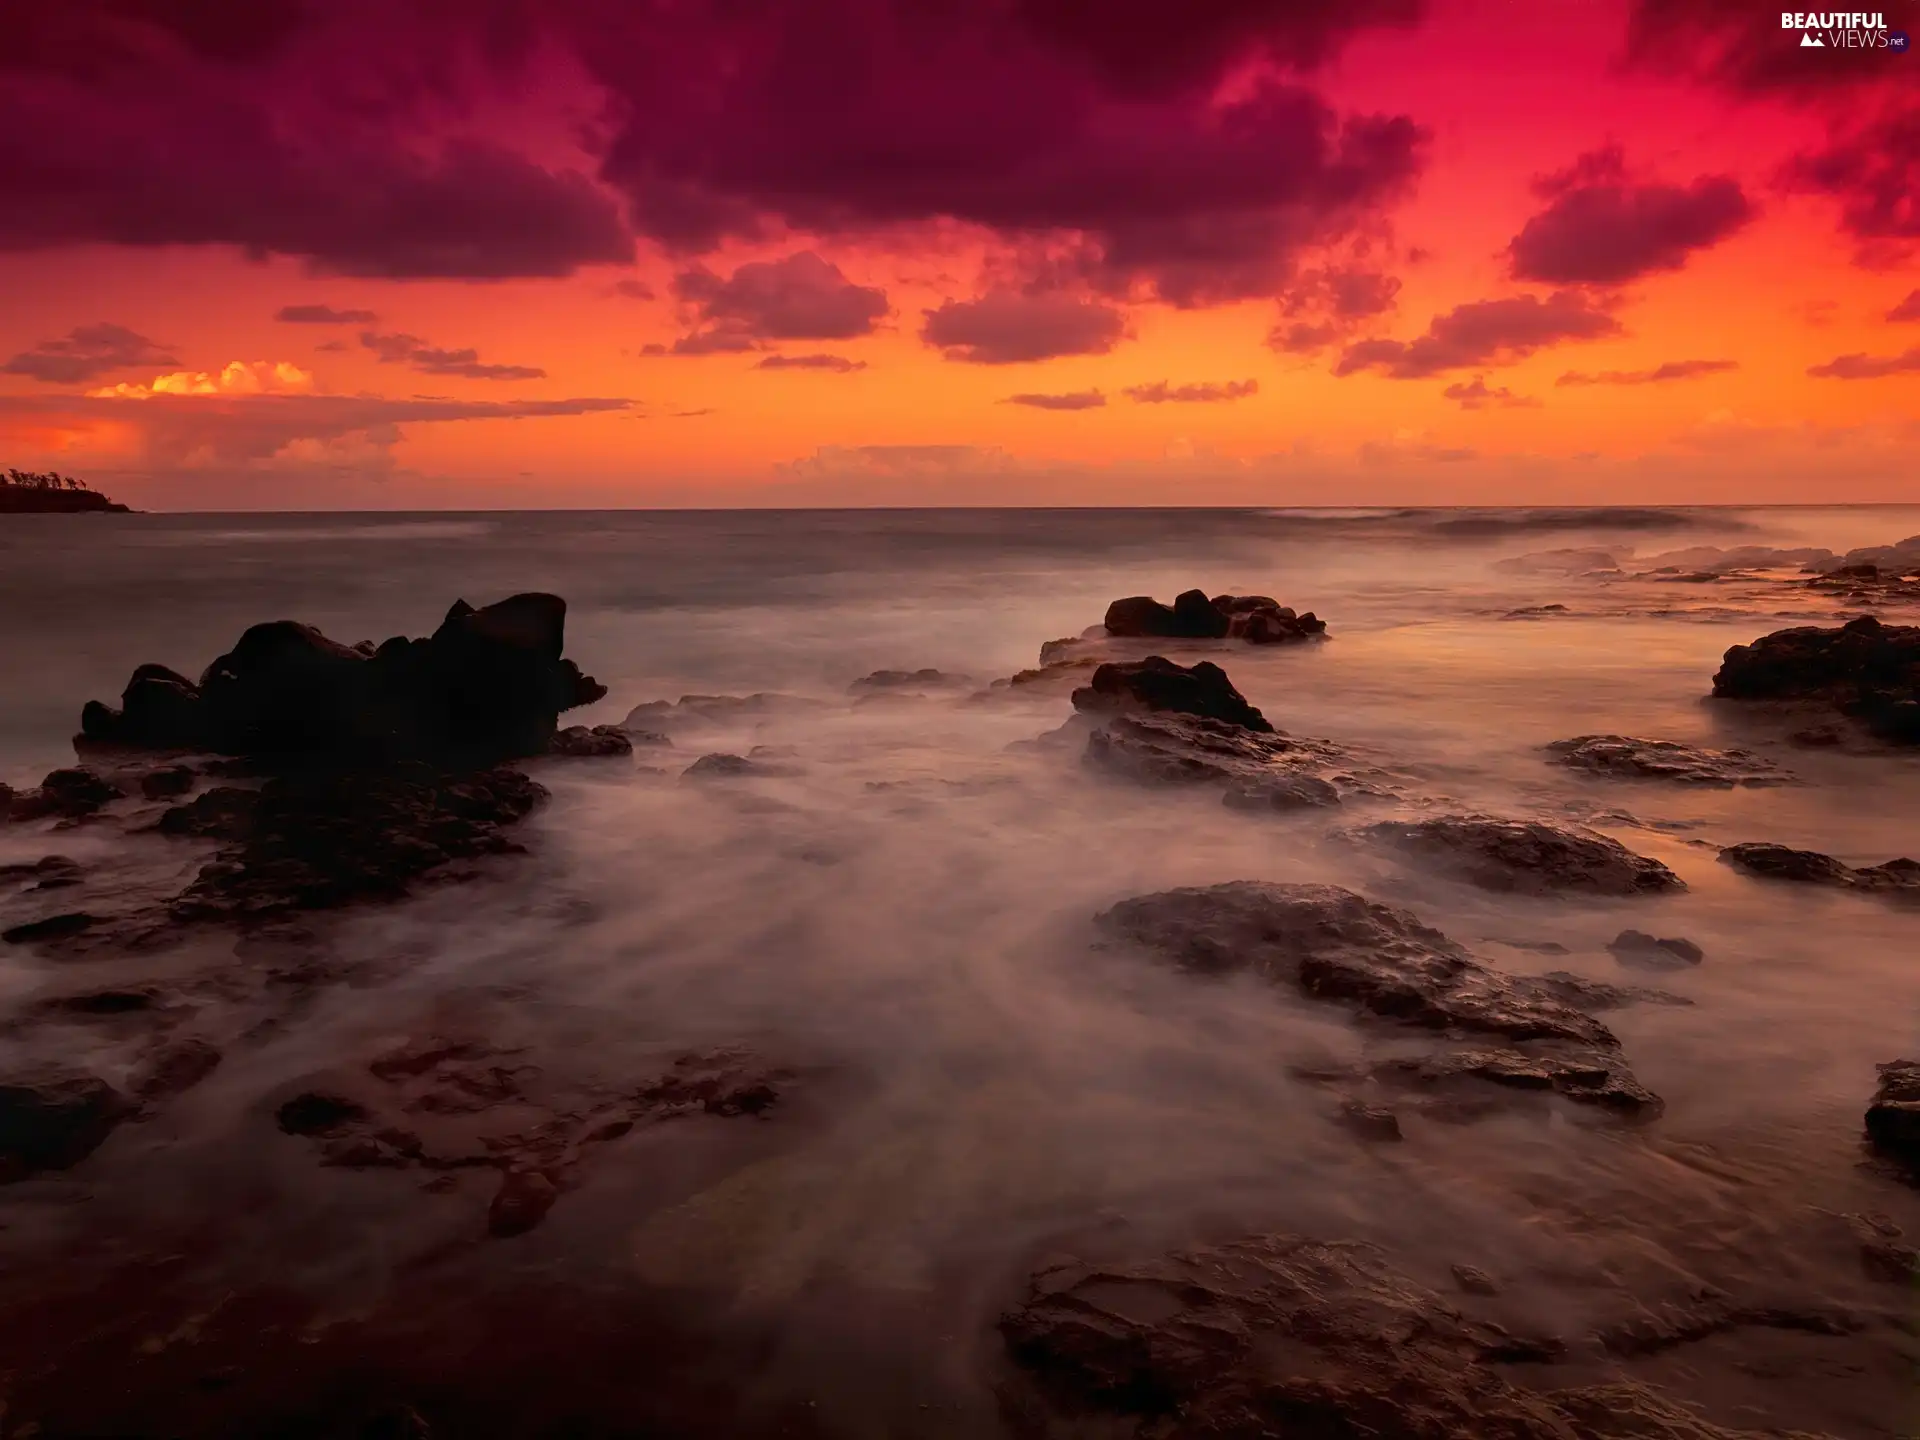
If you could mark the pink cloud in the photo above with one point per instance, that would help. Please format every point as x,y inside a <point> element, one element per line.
<point>85,353</point>
<point>1483,332</point>
<point>1006,327</point>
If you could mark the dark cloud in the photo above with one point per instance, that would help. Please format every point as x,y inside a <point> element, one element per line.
<point>1669,370</point>
<point>431,360</point>
<point>1476,394</point>
<point>1006,327</point>
<point>1073,400</point>
<point>1600,228</point>
<point>86,352</point>
<point>1907,309</point>
<point>632,289</point>
<point>840,364</point>
<point>1198,393</point>
<point>801,297</point>
<point>1872,169</point>
<point>1483,332</point>
<point>1737,47</point>
<point>1869,367</point>
<point>1320,306</point>
<point>323,315</point>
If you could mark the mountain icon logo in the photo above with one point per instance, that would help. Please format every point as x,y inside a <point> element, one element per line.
<point>1812,42</point>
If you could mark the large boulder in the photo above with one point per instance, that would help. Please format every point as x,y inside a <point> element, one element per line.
<point>1624,757</point>
<point>1159,685</point>
<point>1530,857</point>
<point>54,1118</point>
<point>1866,669</point>
<point>1257,619</point>
<point>1811,867</point>
<point>488,685</point>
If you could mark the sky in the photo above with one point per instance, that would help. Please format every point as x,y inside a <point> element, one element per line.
<point>482,254</point>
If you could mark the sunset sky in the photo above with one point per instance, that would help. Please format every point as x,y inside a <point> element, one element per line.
<point>287,254</point>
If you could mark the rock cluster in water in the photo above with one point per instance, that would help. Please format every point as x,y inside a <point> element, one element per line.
<point>1811,867</point>
<point>1625,757</point>
<point>1257,619</point>
<point>488,685</point>
<point>1865,669</point>
<point>1529,857</point>
<point>1158,686</point>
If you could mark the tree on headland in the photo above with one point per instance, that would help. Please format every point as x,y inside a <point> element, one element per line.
<point>41,480</point>
<point>28,492</point>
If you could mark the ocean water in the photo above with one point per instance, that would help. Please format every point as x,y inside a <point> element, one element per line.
<point>904,921</point>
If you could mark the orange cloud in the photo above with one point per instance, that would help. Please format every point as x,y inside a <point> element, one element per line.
<point>239,377</point>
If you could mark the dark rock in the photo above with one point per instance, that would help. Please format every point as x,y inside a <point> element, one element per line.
<point>882,682</point>
<point>522,1202</point>
<point>1599,1078</point>
<point>1290,792</point>
<point>1810,867</point>
<point>1157,685</point>
<point>104,1002</point>
<point>697,712</point>
<point>1636,947</point>
<point>1284,1336</point>
<point>1524,856</point>
<point>178,1066</point>
<point>315,1112</point>
<point>50,872</point>
<point>1622,757</point>
<point>1883,1253</point>
<point>1866,669</point>
<point>1893,1119</point>
<point>54,1118</point>
<point>487,685</point>
<point>69,794</point>
<point>167,782</point>
<point>1473,1281</point>
<point>601,742</point>
<point>1256,619</point>
<point>52,927</point>
<point>1370,1122</point>
<point>1186,750</point>
<point>720,763</point>
<point>1331,944</point>
<point>1817,737</point>
<point>223,813</point>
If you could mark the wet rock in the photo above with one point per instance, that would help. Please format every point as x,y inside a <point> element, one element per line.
<point>177,1066</point>
<point>1817,737</point>
<point>51,927</point>
<point>1599,1078</point>
<point>1884,1255</point>
<point>318,1112</point>
<point>222,813</point>
<point>1370,1122</point>
<point>1623,757</point>
<point>1333,945</point>
<point>522,1202</point>
<point>1563,561</point>
<point>720,765</point>
<point>1637,947</point>
<point>1185,750</point>
<point>53,1118</point>
<point>1474,1281</point>
<point>1529,857</point>
<point>906,682</point>
<point>1286,1336</point>
<point>697,712</point>
<point>1159,686</point>
<point>167,782</point>
<point>1893,1119</point>
<point>50,872</point>
<point>1688,1319</point>
<point>601,742</point>
<point>1535,612</point>
<point>1810,867</point>
<point>104,1002</point>
<point>1289,792</point>
<point>1865,669</point>
<point>1257,619</point>
<point>72,793</point>
<point>487,685</point>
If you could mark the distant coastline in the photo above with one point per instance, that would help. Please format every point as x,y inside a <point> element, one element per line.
<point>24,492</point>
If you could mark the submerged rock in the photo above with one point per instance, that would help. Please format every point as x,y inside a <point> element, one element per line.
<point>698,712</point>
<point>1625,757</point>
<point>486,686</point>
<point>1810,867</point>
<point>601,742</point>
<point>1636,947</point>
<point>1280,1335</point>
<point>1158,686</point>
<point>71,793</point>
<point>53,1118</point>
<point>1893,1119</point>
<point>1257,619</point>
<point>1866,669</point>
<point>904,683</point>
<point>1288,792</point>
<point>1530,857</point>
<point>1331,944</point>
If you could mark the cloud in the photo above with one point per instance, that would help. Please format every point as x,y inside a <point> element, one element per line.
<point>801,297</point>
<point>1475,394</point>
<point>1869,367</point>
<point>1872,168</point>
<point>631,289</point>
<point>1907,309</point>
<point>1073,400</point>
<point>1660,374</point>
<point>1198,393</point>
<point>1727,44</point>
<point>323,315</point>
<point>1483,332</point>
<point>85,353</point>
<point>397,349</point>
<point>1323,305</point>
<point>1006,327</point>
<point>840,364</point>
<point>1600,228</point>
<point>238,377</point>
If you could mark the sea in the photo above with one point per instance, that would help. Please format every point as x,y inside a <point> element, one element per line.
<point>899,914</point>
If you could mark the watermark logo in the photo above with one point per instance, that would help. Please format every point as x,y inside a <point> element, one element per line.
<point>1843,30</point>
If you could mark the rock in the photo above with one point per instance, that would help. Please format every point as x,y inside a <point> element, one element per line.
<point>69,794</point>
<point>1636,947</point>
<point>1186,750</point>
<point>1370,1122</point>
<point>486,686</point>
<point>318,1112</point>
<point>1473,1281</point>
<point>902,682</point>
<point>103,1002</point>
<point>1280,1335</point>
<point>1257,619</point>
<point>1331,944</point>
<point>222,813</point>
<point>1157,685</point>
<point>1817,737</point>
<point>522,1202</point>
<point>696,712</point>
<point>1622,757</point>
<point>720,763</point>
<point>52,1119</point>
<point>1810,867</point>
<point>1530,857</point>
<point>1535,612</point>
<point>601,742</point>
<point>52,927</point>
<point>1290,792</point>
<point>176,1067</point>
<point>50,872</point>
<point>1893,1119</point>
<point>167,782</point>
<point>1597,1079</point>
<point>1866,669</point>
<point>1565,561</point>
<point>1883,1254</point>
